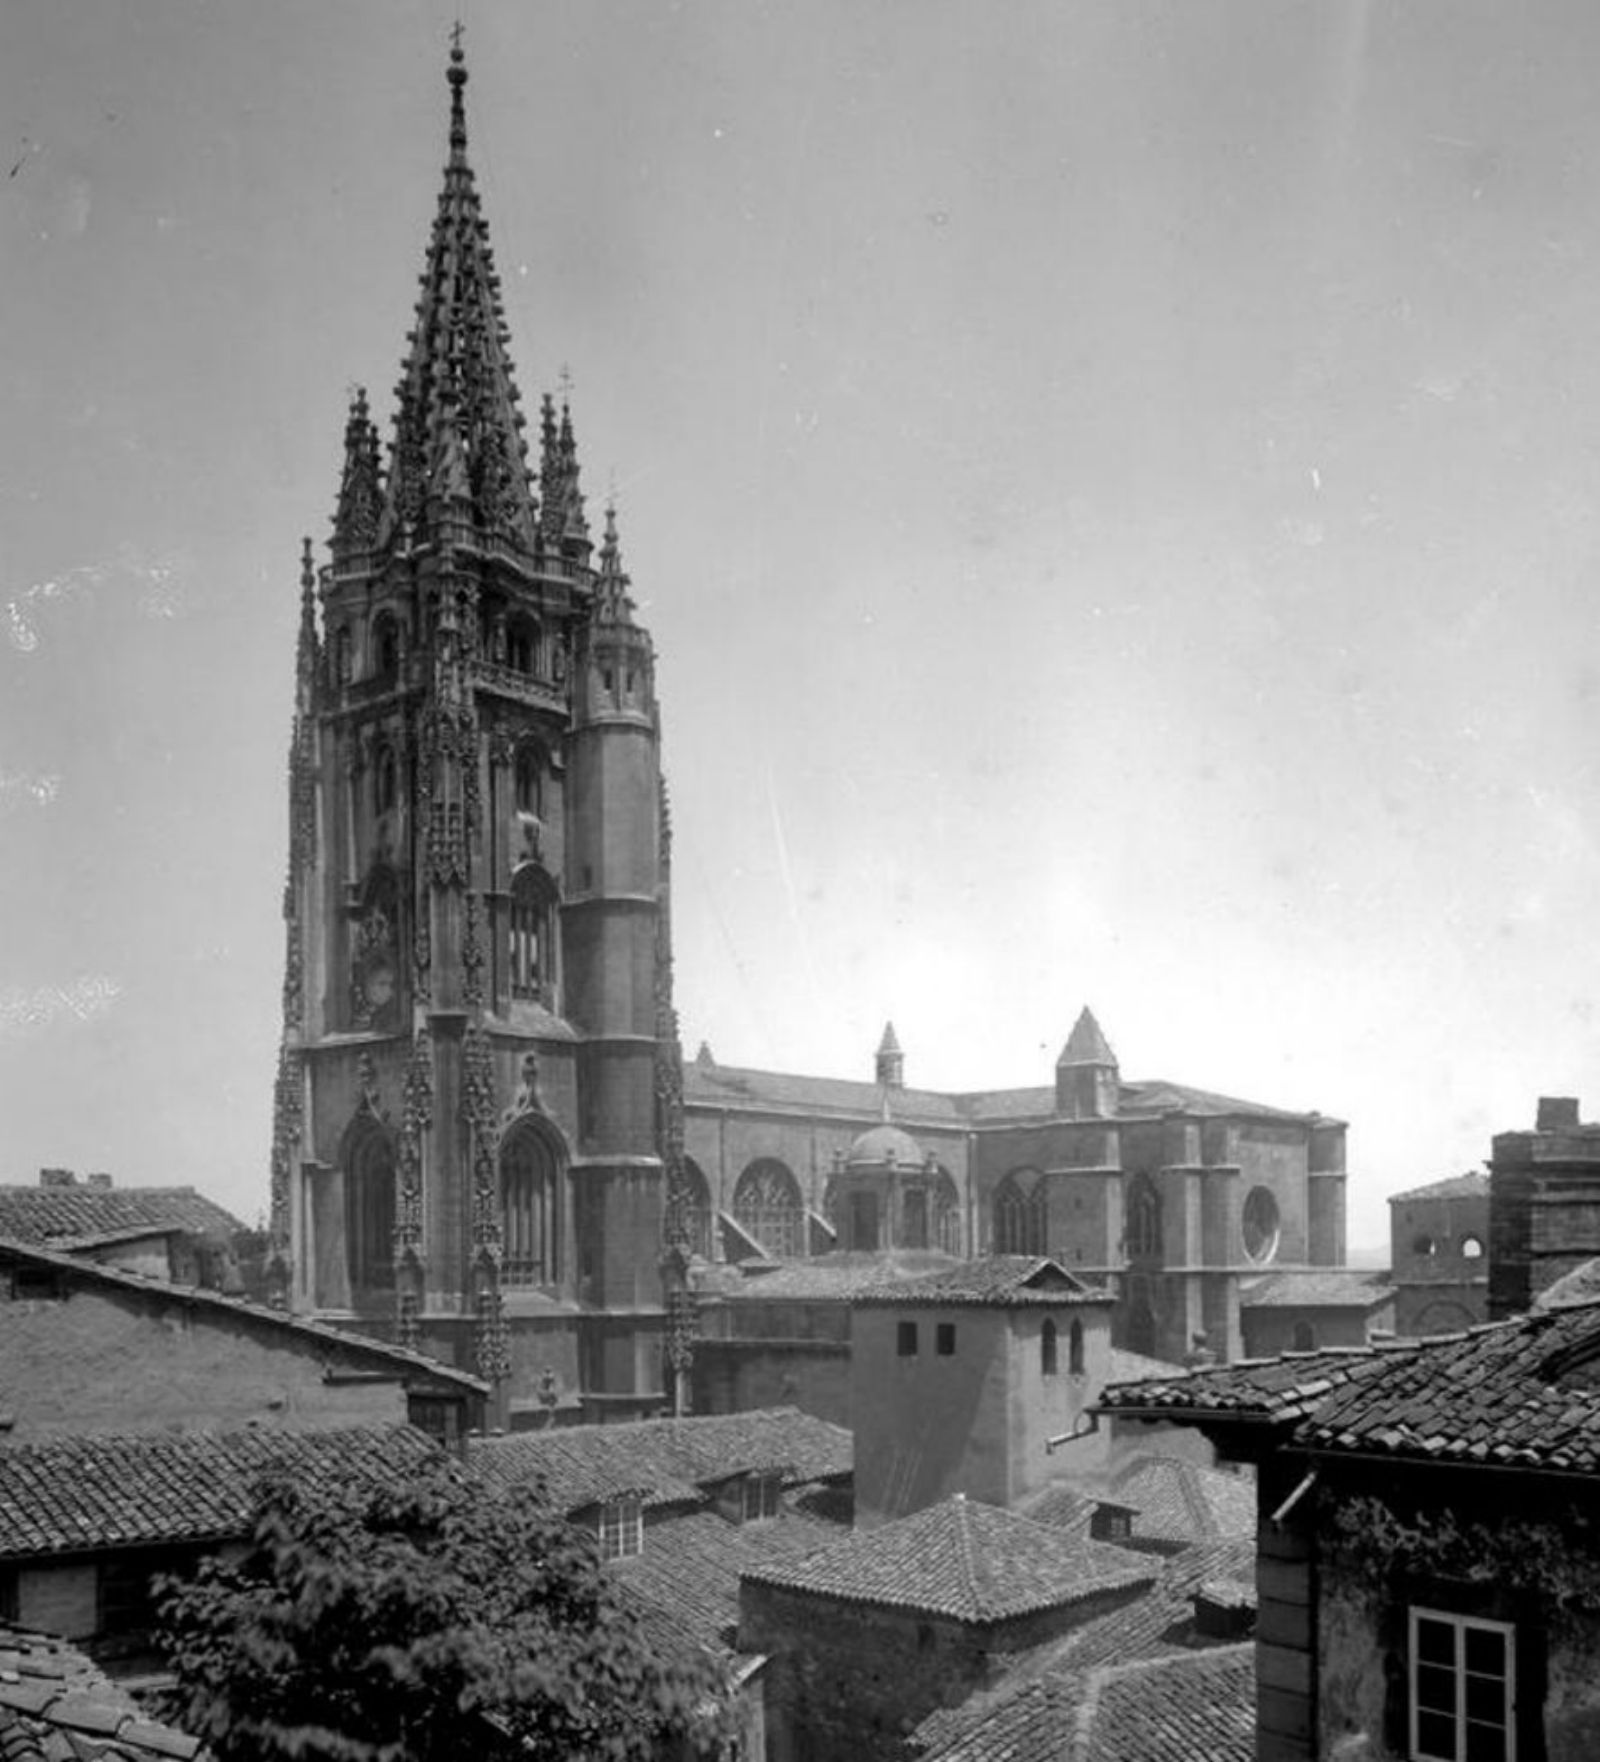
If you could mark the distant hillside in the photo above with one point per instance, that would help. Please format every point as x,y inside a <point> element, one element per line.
<point>1368,1255</point>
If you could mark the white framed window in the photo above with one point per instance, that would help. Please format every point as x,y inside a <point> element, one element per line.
<point>760,1497</point>
<point>621,1529</point>
<point>1463,1689</point>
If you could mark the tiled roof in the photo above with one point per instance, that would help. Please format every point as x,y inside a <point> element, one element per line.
<point>962,1560</point>
<point>56,1706</point>
<point>1277,1390</point>
<point>1179,1501</point>
<point>689,1570</point>
<point>841,1274</point>
<point>58,1214</point>
<point>1472,1185</point>
<point>1199,1705</point>
<point>729,1086</point>
<point>1523,1393</point>
<point>396,1359</point>
<point>1060,1505</point>
<point>1162,1621</point>
<point>73,1495</point>
<point>1317,1288</point>
<point>1008,1281</point>
<point>667,1459</point>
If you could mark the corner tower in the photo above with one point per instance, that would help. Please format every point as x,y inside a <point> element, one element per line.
<point>478,1034</point>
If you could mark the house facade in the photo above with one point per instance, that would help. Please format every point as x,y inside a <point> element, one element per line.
<point>1428,1559</point>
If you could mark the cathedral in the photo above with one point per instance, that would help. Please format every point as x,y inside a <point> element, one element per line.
<point>486,1145</point>
<point>477,1087</point>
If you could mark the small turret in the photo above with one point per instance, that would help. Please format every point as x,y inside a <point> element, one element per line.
<point>891,1061</point>
<point>355,520</point>
<point>1086,1073</point>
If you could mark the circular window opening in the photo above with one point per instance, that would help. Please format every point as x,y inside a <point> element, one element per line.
<point>1471,1248</point>
<point>1260,1224</point>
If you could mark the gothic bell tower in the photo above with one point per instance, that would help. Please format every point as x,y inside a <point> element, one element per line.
<point>475,1126</point>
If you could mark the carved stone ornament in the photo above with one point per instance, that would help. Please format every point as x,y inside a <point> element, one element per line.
<point>368,1101</point>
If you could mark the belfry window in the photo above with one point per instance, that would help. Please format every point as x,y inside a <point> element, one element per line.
<point>522,645</point>
<point>530,780</point>
<point>532,962</point>
<point>530,1209</point>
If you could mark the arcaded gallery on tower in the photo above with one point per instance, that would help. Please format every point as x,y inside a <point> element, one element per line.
<point>485,1143</point>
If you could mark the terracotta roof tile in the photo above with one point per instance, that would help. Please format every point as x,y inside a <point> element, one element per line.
<point>840,1275</point>
<point>342,1341</point>
<point>1180,1501</point>
<point>993,1280</point>
<point>1269,1389</point>
<point>67,1711</point>
<point>1472,1185</point>
<point>1198,1705</point>
<point>1318,1288</point>
<point>59,1214</point>
<point>72,1495</point>
<point>667,1459</point>
<point>963,1560</point>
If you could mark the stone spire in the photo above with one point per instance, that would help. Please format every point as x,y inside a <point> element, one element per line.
<point>457,449</point>
<point>564,524</point>
<point>355,520</point>
<point>611,602</point>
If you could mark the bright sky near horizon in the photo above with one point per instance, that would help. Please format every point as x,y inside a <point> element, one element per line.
<point>1115,487</point>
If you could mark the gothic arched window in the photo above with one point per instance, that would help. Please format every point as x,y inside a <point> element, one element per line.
<point>522,644</point>
<point>1019,1219</point>
<point>532,950</point>
<point>768,1208</point>
<point>530,1208</point>
<point>369,1170</point>
<point>1144,1220</point>
<point>946,1223</point>
<point>1075,1348</point>
<point>385,779</point>
<point>1047,1348</point>
<point>697,1208</point>
<point>530,780</point>
<point>385,646</point>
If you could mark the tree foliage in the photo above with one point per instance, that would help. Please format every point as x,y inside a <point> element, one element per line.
<point>452,1619</point>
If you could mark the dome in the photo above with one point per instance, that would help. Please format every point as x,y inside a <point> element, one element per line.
<point>885,1145</point>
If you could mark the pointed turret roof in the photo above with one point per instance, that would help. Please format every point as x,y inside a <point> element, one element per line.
<point>1086,1045</point>
<point>355,520</point>
<point>611,602</point>
<point>457,437</point>
<point>888,1045</point>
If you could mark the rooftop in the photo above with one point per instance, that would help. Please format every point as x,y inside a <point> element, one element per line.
<point>1180,1501</point>
<point>63,1214</point>
<point>377,1354</point>
<point>840,1274</point>
<point>962,1560</point>
<point>1474,1184</point>
<point>1523,1393</point>
<point>80,1495</point>
<point>667,1460</point>
<point>1200,1705</point>
<point>1006,1281</point>
<point>1318,1288</point>
<point>56,1706</point>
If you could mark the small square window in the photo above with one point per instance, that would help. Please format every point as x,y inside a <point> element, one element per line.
<point>906,1340</point>
<point>945,1340</point>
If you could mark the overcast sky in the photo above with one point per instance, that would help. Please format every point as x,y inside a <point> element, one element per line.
<point>1115,487</point>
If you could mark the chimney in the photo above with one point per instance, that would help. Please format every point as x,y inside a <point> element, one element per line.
<point>57,1178</point>
<point>1557,1113</point>
<point>99,1180</point>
